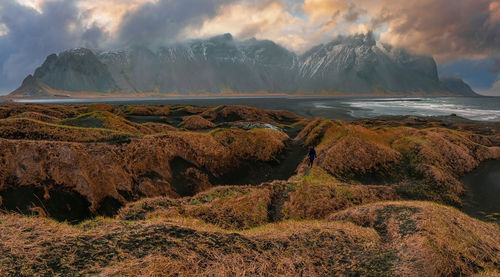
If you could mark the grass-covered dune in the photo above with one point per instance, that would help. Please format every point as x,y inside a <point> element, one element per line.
<point>226,191</point>
<point>105,156</point>
<point>310,197</point>
<point>422,161</point>
<point>380,239</point>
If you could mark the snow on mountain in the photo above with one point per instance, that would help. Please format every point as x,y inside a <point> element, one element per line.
<point>350,64</point>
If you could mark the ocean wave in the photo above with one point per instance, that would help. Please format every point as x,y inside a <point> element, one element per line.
<point>423,107</point>
<point>322,106</point>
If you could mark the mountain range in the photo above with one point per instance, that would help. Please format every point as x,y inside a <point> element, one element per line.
<point>348,65</point>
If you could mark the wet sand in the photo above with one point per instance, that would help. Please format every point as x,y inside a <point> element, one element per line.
<point>483,192</point>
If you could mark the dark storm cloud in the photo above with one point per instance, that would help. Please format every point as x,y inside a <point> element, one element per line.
<point>60,25</point>
<point>161,22</point>
<point>353,13</point>
<point>446,29</point>
<point>32,35</point>
<point>496,66</point>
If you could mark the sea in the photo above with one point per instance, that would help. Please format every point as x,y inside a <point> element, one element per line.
<point>474,108</point>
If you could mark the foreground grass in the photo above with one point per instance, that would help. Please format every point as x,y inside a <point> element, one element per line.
<point>382,239</point>
<point>111,247</point>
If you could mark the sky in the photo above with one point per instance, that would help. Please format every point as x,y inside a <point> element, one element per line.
<point>462,35</point>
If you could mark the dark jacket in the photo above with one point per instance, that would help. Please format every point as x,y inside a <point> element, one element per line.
<point>312,153</point>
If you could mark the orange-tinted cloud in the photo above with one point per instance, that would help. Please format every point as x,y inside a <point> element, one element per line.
<point>447,29</point>
<point>108,14</point>
<point>494,9</point>
<point>262,19</point>
<point>3,29</point>
<point>321,11</point>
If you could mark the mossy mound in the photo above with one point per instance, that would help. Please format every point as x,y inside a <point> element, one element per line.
<point>57,111</point>
<point>314,196</point>
<point>430,239</point>
<point>227,207</point>
<point>37,116</point>
<point>31,129</point>
<point>261,144</point>
<point>107,120</point>
<point>188,248</point>
<point>173,163</point>
<point>318,194</point>
<point>248,114</point>
<point>196,122</point>
<point>420,163</point>
<point>381,239</point>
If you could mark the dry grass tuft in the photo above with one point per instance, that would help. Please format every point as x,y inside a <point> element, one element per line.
<point>23,128</point>
<point>260,144</point>
<point>109,247</point>
<point>196,122</point>
<point>162,111</point>
<point>420,163</point>
<point>397,238</point>
<point>230,207</point>
<point>318,194</point>
<point>431,239</point>
<point>37,116</point>
<point>140,110</point>
<point>100,107</point>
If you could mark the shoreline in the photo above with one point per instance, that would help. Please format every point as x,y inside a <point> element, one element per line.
<point>332,107</point>
<point>146,95</point>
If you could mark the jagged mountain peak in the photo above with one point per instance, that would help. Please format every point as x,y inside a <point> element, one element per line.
<point>356,64</point>
<point>32,87</point>
<point>356,40</point>
<point>75,70</point>
<point>77,52</point>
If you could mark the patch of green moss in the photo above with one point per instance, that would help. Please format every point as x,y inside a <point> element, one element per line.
<point>94,119</point>
<point>218,193</point>
<point>215,131</point>
<point>318,175</point>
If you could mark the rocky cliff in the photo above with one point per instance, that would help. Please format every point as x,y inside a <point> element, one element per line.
<point>354,65</point>
<point>75,70</point>
<point>457,85</point>
<point>359,64</point>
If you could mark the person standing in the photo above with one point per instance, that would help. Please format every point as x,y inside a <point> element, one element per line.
<point>312,156</point>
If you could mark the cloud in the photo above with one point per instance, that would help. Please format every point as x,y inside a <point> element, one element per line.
<point>493,91</point>
<point>30,35</point>
<point>162,21</point>
<point>462,29</point>
<point>108,14</point>
<point>446,29</point>
<point>449,30</point>
<point>32,29</point>
<point>263,19</point>
<point>495,67</point>
<point>323,11</point>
